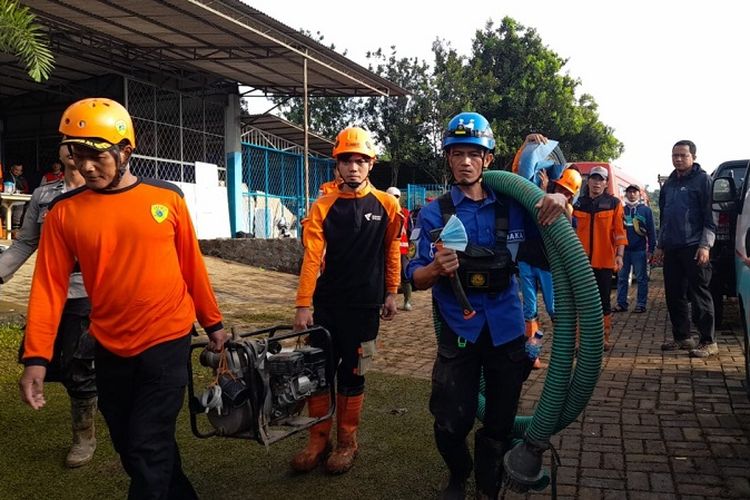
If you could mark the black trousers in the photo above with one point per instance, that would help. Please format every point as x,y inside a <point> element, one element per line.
<point>455,392</point>
<point>140,398</point>
<point>685,280</point>
<point>72,361</point>
<point>603,279</point>
<point>349,327</point>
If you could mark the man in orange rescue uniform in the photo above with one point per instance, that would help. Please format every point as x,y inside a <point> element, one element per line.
<point>136,248</point>
<point>352,234</point>
<point>598,220</point>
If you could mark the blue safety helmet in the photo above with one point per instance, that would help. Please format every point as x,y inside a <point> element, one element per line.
<point>469,128</point>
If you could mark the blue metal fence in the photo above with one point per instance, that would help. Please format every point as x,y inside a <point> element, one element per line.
<point>417,194</point>
<point>274,188</point>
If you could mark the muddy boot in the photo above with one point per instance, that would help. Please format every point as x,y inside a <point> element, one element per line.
<point>407,296</point>
<point>458,459</point>
<point>82,412</point>
<point>319,444</point>
<point>607,331</point>
<point>348,410</point>
<point>488,464</point>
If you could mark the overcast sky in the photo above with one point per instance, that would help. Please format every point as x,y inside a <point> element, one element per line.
<point>660,70</point>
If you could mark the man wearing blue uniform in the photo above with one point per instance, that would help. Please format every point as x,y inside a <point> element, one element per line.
<point>493,340</point>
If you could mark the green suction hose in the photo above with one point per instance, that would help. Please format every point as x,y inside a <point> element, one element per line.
<point>570,380</point>
<point>568,386</point>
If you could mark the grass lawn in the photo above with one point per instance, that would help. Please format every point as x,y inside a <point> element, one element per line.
<point>397,457</point>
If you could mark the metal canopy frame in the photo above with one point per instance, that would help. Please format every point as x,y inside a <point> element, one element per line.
<point>206,46</point>
<point>286,130</point>
<point>200,43</point>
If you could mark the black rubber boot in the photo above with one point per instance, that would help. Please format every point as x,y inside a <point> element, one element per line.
<point>458,459</point>
<point>455,490</point>
<point>488,468</point>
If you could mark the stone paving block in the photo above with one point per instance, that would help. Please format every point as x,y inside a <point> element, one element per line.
<point>633,446</point>
<point>738,487</point>
<point>704,479</point>
<point>702,490</point>
<point>639,466</point>
<point>692,434</point>
<point>613,461</point>
<point>637,481</point>
<point>683,464</point>
<point>646,458</point>
<point>588,493</point>
<point>661,482</point>
<point>671,433</point>
<point>643,495</point>
<point>591,459</point>
<point>654,447</point>
<point>567,475</point>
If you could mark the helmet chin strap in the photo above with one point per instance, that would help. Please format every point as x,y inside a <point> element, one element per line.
<point>354,185</point>
<point>120,170</point>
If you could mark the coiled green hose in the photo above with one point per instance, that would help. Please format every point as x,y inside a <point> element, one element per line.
<point>568,386</point>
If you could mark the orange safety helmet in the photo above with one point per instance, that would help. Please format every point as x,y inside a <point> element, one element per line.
<point>570,180</point>
<point>97,123</point>
<point>354,140</point>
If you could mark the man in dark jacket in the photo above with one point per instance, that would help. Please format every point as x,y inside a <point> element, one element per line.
<point>639,223</point>
<point>685,239</point>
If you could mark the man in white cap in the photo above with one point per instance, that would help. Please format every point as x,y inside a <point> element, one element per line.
<point>599,226</point>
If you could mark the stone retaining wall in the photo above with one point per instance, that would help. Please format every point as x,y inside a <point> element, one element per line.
<point>281,254</point>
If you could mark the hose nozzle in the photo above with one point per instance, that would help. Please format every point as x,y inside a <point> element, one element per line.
<point>523,466</point>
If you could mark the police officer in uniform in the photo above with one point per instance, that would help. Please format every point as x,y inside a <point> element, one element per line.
<point>493,340</point>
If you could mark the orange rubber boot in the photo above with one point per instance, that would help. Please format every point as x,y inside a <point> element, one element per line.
<point>607,331</point>
<point>348,411</point>
<point>319,444</point>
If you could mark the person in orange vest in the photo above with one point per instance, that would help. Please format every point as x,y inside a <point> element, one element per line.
<point>352,234</point>
<point>598,220</point>
<point>404,247</point>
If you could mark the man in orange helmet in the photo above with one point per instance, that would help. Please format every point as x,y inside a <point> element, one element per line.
<point>136,248</point>
<point>352,234</point>
<point>568,184</point>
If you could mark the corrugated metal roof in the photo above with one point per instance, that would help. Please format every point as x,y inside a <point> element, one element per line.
<point>204,43</point>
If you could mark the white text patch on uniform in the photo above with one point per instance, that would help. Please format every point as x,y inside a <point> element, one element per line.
<point>517,235</point>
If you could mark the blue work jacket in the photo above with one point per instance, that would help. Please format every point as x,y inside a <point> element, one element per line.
<point>502,312</point>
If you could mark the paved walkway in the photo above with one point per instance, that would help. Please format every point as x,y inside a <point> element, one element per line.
<point>659,425</point>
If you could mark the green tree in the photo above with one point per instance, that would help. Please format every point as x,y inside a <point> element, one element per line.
<point>653,203</point>
<point>401,125</point>
<point>327,115</point>
<point>23,38</point>
<point>517,83</point>
<point>510,76</point>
